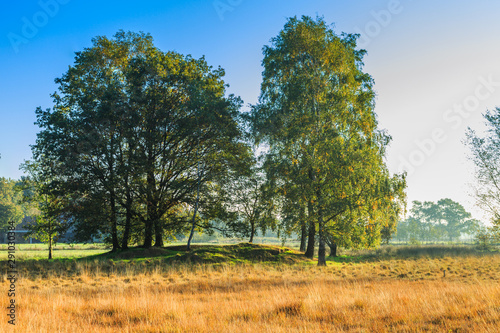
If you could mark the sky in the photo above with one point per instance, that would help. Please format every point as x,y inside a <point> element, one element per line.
<point>436,66</point>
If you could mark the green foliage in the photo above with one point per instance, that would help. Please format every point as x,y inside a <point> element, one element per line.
<point>11,207</point>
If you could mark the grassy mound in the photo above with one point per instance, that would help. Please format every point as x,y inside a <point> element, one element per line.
<point>237,253</point>
<point>243,252</point>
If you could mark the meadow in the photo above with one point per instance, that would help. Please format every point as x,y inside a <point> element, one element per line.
<point>252,288</point>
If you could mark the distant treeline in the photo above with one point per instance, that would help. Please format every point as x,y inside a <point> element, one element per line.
<point>445,220</point>
<point>12,207</point>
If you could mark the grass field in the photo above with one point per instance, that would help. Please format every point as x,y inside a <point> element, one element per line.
<point>245,288</point>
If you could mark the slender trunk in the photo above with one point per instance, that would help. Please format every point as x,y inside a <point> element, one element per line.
<point>128,207</point>
<point>50,241</point>
<point>312,232</point>
<point>321,252</point>
<point>114,223</point>
<point>193,222</point>
<point>321,247</point>
<point>252,230</point>
<point>128,222</point>
<point>310,214</point>
<point>111,181</point>
<point>151,211</point>
<point>303,231</point>
<point>303,237</point>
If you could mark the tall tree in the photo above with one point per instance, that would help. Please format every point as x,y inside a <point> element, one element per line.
<point>316,113</point>
<point>485,154</point>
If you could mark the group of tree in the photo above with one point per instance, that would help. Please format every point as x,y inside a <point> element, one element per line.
<point>445,220</point>
<point>142,145</point>
<point>134,137</point>
<point>325,155</point>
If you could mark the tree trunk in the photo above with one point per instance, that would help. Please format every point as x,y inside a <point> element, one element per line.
<point>128,222</point>
<point>191,234</point>
<point>303,238</point>
<point>112,199</point>
<point>158,233</point>
<point>310,241</point>
<point>114,223</point>
<point>333,249</point>
<point>303,231</point>
<point>148,234</point>
<point>193,224</point>
<point>321,252</point>
<point>252,231</point>
<point>321,247</point>
<point>50,244</point>
<point>128,208</point>
<point>151,212</point>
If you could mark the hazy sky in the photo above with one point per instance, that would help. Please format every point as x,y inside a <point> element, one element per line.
<point>435,65</point>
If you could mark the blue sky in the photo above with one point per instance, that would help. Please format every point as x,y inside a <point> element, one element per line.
<point>436,66</point>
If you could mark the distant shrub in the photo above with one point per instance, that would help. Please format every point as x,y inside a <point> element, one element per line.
<point>414,241</point>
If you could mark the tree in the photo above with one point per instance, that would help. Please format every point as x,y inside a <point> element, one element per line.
<point>455,216</point>
<point>50,222</point>
<point>249,202</point>
<point>485,154</point>
<point>316,114</point>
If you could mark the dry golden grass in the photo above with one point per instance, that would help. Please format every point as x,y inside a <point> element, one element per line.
<point>410,295</point>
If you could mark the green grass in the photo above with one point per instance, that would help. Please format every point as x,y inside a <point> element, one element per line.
<point>65,251</point>
<point>138,260</point>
